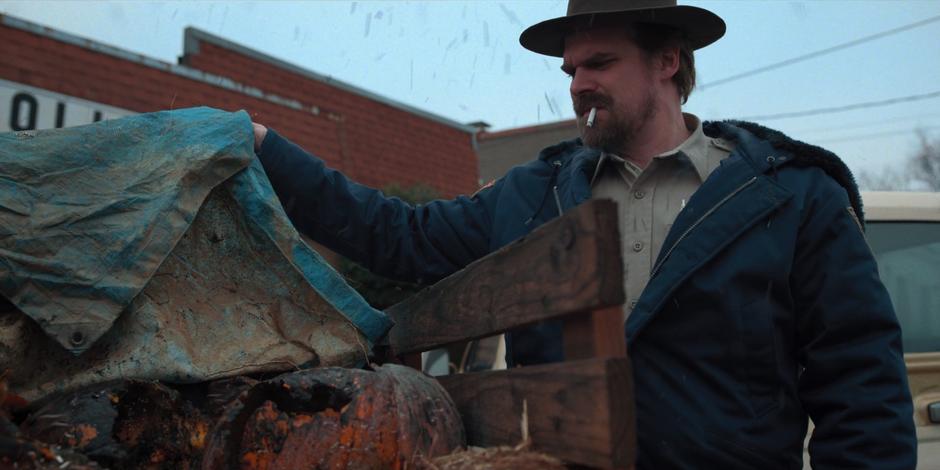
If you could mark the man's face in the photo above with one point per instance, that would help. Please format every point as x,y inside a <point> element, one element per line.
<point>610,72</point>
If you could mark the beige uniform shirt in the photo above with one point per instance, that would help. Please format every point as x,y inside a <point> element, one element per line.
<point>649,199</point>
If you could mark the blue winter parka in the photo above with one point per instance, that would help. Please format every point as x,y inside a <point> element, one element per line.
<point>763,307</point>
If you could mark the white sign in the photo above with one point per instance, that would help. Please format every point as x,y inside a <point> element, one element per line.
<point>24,108</point>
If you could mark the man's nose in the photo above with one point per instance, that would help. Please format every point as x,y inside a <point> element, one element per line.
<point>582,82</point>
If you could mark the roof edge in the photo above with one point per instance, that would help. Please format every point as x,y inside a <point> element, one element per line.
<point>191,44</point>
<point>140,59</point>
<point>192,37</point>
<point>563,124</point>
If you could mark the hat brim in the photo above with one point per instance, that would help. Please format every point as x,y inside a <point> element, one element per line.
<point>701,26</point>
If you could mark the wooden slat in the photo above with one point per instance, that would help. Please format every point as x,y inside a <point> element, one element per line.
<point>579,411</point>
<point>595,334</point>
<point>570,264</point>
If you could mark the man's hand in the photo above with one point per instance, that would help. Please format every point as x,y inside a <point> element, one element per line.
<point>260,132</point>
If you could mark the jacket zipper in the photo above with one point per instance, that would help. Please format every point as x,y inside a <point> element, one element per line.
<point>552,188</point>
<point>557,199</point>
<point>699,221</point>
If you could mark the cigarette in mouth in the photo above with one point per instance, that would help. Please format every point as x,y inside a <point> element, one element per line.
<point>591,116</point>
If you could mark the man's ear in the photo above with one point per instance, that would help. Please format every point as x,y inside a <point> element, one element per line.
<point>668,62</point>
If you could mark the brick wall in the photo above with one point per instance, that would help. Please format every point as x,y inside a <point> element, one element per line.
<point>371,141</point>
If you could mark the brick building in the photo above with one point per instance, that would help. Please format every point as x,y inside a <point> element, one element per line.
<point>54,79</point>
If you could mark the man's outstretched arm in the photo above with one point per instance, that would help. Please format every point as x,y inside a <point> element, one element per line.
<point>388,236</point>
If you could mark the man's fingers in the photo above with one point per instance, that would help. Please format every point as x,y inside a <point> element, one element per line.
<point>260,132</point>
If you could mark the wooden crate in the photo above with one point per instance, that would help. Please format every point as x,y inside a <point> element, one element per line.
<point>580,410</point>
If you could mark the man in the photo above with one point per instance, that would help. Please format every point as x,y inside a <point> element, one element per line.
<point>753,299</point>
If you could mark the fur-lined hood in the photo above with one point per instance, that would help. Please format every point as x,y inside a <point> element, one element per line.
<point>802,154</point>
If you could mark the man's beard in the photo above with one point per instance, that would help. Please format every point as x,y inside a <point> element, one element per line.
<point>617,131</point>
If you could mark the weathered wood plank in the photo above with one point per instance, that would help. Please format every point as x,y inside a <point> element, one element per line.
<point>570,264</point>
<point>595,334</point>
<point>579,411</point>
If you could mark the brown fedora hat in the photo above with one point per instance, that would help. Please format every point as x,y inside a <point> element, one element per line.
<point>701,26</point>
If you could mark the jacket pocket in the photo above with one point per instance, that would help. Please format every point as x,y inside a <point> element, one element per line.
<point>732,455</point>
<point>760,355</point>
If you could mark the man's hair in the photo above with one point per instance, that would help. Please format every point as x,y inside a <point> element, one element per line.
<point>652,38</point>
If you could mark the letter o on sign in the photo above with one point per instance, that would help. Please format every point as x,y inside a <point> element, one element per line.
<point>23,102</point>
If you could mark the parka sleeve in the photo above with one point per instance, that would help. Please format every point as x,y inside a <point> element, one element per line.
<point>854,383</point>
<point>388,236</point>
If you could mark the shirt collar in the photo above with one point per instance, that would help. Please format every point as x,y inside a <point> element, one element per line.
<point>605,157</point>
<point>695,147</point>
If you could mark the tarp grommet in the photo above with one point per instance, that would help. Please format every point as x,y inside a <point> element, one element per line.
<point>77,338</point>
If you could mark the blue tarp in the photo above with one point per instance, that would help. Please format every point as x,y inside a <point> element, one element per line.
<point>88,215</point>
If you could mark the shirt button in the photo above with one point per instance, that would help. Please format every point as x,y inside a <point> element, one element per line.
<point>639,194</point>
<point>633,305</point>
<point>637,246</point>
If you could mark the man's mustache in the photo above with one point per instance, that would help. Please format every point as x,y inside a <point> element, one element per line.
<point>585,101</point>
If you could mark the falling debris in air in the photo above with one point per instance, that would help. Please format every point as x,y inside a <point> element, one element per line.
<point>510,15</point>
<point>224,16</point>
<point>551,106</point>
<point>474,69</point>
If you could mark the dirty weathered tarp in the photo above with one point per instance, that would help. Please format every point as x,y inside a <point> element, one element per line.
<point>153,246</point>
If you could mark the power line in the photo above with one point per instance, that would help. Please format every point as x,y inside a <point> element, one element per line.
<point>839,109</point>
<point>819,52</point>
<point>877,123</point>
<point>874,135</point>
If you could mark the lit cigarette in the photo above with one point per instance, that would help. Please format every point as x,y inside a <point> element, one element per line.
<point>591,116</point>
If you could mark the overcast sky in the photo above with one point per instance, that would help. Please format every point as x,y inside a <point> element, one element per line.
<point>462,59</point>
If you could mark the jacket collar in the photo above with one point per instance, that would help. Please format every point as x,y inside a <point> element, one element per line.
<point>581,162</point>
<point>793,152</point>
<point>578,164</point>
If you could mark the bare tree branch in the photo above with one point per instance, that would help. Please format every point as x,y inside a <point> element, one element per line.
<point>921,171</point>
<point>924,167</point>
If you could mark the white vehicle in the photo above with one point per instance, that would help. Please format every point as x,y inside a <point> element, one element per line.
<point>903,230</point>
